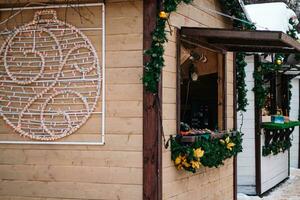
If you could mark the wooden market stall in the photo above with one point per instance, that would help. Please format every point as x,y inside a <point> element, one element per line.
<point>268,165</point>
<point>266,159</point>
<point>93,134</point>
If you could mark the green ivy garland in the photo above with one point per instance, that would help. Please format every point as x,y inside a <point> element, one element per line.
<point>294,34</point>
<point>290,86</point>
<point>293,30</point>
<point>205,151</point>
<point>259,89</point>
<point>154,67</point>
<point>265,68</point>
<point>242,100</point>
<point>233,8</point>
<point>276,147</point>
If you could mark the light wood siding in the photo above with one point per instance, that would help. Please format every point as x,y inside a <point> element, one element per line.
<point>207,184</point>
<point>112,171</point>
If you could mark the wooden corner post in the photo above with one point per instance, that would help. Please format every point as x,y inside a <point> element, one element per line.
<point>257,138</point>
<point>234,125</point>
<point>152,133</point>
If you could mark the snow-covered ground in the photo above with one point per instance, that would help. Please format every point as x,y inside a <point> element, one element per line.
<point>290,190</point>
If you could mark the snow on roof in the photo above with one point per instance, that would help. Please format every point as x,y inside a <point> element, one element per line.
<point>270,16</point>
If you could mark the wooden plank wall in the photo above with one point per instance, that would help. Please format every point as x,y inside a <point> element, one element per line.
<point>112,171</point>
<point>246,159</point>
<point>207,184</point>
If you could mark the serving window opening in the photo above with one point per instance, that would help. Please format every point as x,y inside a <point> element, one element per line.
<point>201,89</point>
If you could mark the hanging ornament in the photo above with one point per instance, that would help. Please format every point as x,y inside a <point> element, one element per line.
<point>279,62</point>
<point>163,15</point>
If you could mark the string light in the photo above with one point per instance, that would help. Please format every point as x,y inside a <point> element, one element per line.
<point>56,77</point>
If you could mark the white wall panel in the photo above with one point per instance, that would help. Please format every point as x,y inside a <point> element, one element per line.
<point>294,116</point>
<point>246,159</point>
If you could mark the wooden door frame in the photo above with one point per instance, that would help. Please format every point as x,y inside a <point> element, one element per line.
<point>234,126</point>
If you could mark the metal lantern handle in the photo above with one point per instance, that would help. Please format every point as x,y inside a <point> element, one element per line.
<point>38,15</point>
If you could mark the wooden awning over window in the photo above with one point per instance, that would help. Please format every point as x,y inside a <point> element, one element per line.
<point>244,41</point>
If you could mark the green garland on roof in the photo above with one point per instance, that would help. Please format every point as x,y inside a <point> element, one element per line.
<point>294,34</point>
<point>233,8</point>
<point>293,28</point>
<point>154,67</point>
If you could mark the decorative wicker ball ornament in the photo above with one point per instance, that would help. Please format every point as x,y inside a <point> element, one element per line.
<point>50,78</point>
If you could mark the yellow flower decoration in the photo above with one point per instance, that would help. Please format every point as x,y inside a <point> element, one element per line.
<point>198,153</point>
<point>178,160</point>
<point>186,164</point>
<point>179,167</point>
<point>181,162</point>
<point>230,146</point>
<point>195,164</point>
<point>227,140</point>
<point>228,143</point>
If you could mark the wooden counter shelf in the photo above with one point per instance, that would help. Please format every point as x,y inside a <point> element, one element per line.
<point>276,126</point>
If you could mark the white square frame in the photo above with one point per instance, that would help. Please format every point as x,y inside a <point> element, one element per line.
<point>102,135</point>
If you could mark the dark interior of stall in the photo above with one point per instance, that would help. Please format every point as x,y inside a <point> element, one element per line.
<point>199,89</point>
<point>278,94</point>
<point>199,102</point>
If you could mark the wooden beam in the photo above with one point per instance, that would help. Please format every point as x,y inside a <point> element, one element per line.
<point>290,41</point>
<point>230,34</point>
<point>202,44</point>
<point>299,119</point>
<point>257,130</point>
<point>234,127</point>
<point>152,140</point>
<point>257,48</point>
<point>247,41</point>
<point>178,80</point>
